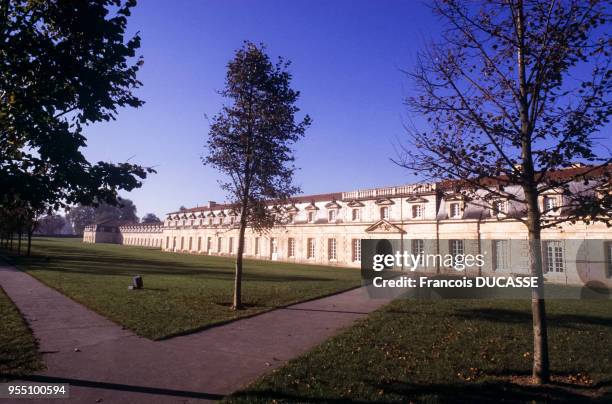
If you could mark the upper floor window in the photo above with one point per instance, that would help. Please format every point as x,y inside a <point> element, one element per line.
<point>384,213</point>
<point>455,210</point>
<point>500,207</point>
<point>331,215</point>
<point>356,214</point>
<point>417,211</point>
<point>550,203</point>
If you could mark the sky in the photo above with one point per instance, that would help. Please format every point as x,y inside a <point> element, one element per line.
<point>347,58</point>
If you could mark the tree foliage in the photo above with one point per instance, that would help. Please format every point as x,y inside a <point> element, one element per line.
<point>65,65</point>
<point>250,141</point>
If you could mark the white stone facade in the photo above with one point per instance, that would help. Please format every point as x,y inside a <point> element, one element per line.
<point>327,229</point>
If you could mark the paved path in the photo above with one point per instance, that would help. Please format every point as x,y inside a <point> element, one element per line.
<point>113,365</point>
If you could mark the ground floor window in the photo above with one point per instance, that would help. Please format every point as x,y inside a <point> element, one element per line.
<point>256,246</point>
<point>555,261</point>
<point>331,249</point>
<point>356,250</point>
<point>182,243</point>
<point>456,249</point>
<point>291,247</point>
<point>500,255</point>
<point>209,245</point>
<point>190,243</point>
<point>219,244</point>
<point>199,243</point>
<point>310,248</point>
<point>231,245</point>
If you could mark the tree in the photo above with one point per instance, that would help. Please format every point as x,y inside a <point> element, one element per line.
<point>150,218</point>
<point>250,141</point>
<point>66,65</point>
<point>81,216</point>
<point>513,92</point>
<point>50,225</point>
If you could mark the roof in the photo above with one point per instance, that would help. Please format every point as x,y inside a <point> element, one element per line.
<point>295,199</point>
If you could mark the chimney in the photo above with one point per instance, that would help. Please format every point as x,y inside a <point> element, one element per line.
<point>211,204</point>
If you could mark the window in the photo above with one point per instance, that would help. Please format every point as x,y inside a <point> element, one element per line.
<point>550,203</point>
<point>356,215</point>
<point>500,207</point>
<point>291,218</point>
<point>232,219</point>
<point>219,244</point>
<point>331,249</point>
<point>456,249</point>
<point>191,222</point>
<point>331,215</point>
<point>167,242</point>
<point>500,255</point>
<point>291,247</point>
<point>554,257</point>
<point>273,246</point>
<point>417,247</point>
<point>199,243</point>
<point>182,243</point>
<point>256,246</point>
<point>455,210</point>
<point>310,248</point>
<point>210,221</point>
<point>220,220</point>
<point>356,250</point>
<point>417,211</point>
<point>190,243</point>
<point>384,212</point>
<point>201,222</point>
<point>209,245</point>
<point>231,245</point>
<point>311,217</point>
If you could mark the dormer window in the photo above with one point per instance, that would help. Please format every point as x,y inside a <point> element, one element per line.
<point>220,220</point>
<point>210,221</point>
<point>356,214</point>
<point>550,203</point>
<point>384,213</point>
<point>331,215</point>
<point>455,210</point>
<point>311,217</point>
<point>499,207</point>
<point>417,211</point>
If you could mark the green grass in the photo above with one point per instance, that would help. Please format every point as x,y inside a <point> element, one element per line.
<point>450,351</point>
<point>182,292</point>
<point>18,349</point>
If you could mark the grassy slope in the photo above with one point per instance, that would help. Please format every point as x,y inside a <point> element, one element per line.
<point>448,351</point>
<point>18,351</point>
<point>182,292</point>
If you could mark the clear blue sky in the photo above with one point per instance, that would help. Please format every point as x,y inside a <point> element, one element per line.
<point>346,56</point>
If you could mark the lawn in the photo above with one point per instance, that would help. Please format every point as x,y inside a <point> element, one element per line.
<point>18,351</point>
<point>451,351</point>
<point>182,292</point>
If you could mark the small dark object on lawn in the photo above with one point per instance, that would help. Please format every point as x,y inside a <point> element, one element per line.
<point>137,282</point>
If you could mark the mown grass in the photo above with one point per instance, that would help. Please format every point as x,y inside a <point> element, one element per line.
<point>18,349</point>
<point>451,351</point>
<point>182,292</point>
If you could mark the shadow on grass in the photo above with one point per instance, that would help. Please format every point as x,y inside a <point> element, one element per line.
<point>127,266</point>
<point>573,321</point>
<point>483,392</point>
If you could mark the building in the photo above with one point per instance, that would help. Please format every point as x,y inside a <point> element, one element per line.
<point>327,229</point>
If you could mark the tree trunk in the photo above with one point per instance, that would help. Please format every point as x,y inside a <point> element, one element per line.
<point>541,366</point>
<point>29,241</point>
<point>237,304</point>
<point>19,235</point>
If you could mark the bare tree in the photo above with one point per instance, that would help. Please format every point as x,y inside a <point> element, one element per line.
<point>513,92</point>
<point>250,141</point>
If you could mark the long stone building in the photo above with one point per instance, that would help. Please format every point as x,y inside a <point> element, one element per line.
<point>327,229</point>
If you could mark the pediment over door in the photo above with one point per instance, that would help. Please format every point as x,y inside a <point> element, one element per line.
<point>383,226</point>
